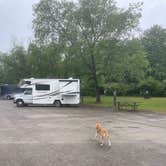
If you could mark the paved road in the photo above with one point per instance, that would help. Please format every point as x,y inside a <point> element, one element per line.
<point>49,136</point>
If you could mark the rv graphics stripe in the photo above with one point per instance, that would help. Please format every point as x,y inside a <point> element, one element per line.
<point>56,92</point>
<point>65,93</point>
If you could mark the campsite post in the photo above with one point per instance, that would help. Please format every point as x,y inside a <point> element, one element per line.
<point>114,100</point>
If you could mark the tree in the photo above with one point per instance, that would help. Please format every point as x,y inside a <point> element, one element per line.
<point>134,63</point>
<point>1,68</point>
<point>82,26</point>
<point>127,65</point>
<point>14,65</point>
<point>154,41</point>
<point>44,61</point>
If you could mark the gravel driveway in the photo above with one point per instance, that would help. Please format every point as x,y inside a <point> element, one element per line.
<point>49,136</point>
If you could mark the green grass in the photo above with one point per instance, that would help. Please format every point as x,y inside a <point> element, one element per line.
<point>157,104</point>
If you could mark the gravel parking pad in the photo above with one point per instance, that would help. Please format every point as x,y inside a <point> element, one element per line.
<point>48,136</point>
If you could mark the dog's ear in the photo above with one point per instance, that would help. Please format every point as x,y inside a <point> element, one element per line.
<point>98,124</point>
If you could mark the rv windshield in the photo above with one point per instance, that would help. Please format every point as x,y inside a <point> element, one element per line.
<point>28,91</point>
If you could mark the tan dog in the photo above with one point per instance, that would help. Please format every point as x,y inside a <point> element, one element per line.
<point>103,134</point>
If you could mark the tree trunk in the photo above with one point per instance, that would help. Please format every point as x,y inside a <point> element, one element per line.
<point>98,99</point>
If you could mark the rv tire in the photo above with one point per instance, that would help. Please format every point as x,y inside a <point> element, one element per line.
<point>57,103</point>
<point>20,103</point>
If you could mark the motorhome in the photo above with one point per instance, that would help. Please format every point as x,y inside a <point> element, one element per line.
<point>49,92</point>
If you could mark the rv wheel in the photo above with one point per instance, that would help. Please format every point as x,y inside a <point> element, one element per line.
<point>57,103</point>
<point>20,103</point>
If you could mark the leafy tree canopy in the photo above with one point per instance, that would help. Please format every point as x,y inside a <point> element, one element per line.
<point>82,26</point>
<point>154,41</point>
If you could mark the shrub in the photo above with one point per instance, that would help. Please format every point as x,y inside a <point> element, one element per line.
<point>154,87</point>
<point>120,88</point>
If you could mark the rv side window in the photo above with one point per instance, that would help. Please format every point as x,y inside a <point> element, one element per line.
<point>42,87</point>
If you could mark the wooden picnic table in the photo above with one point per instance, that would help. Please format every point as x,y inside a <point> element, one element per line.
<point>132,106</point>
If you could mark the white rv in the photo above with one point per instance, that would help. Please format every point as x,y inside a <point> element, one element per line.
<point>49,91</point>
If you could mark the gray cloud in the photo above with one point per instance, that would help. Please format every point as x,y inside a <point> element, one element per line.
<point>15,22</point>
<point>16,19</point>
<point>153,12</point>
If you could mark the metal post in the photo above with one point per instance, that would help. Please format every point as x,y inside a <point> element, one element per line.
<point>114,101</point>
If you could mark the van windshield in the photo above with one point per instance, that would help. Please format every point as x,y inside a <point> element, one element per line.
<point>28,91</point>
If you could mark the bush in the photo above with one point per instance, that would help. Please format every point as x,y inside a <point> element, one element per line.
<point>120,88</point>
<point>88,92</point>
<point>154,87</point>
<point>146,88</point>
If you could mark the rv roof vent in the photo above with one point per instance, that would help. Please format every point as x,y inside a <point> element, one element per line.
<point>70,78</point>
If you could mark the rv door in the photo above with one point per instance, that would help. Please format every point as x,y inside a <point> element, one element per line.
<point>41,94</point>
<point>28,98</point>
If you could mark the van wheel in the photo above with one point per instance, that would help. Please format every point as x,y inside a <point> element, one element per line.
<point>20,103</point>
<point>57,103</point>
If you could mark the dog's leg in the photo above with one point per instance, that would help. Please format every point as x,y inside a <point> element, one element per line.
<point>96,134</point>
<point>109,142</point>
<point>102,141</point>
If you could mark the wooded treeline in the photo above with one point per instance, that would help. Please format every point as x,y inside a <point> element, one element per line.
<point>92,40</point>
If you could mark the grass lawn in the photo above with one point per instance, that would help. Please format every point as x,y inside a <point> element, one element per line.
<point>157,104</point>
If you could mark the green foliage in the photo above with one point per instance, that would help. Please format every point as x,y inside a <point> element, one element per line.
<point>44,61</point>
<point>14,65</point>
<point>136,61</point>
<point>81,26</point>
<point>154,87</point>
<point>133,62</point>
<point>154,41</point>
<point>120,88</point>
<point>91,40</point>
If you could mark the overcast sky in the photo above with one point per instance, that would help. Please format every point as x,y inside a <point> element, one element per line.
<point>16,19</point>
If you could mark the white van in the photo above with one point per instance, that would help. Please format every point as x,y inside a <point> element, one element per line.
<point>49,92</point>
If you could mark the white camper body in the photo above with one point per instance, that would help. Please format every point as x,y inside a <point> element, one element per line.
<point>49,91</point>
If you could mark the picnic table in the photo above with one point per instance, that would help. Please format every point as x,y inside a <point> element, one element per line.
<point>131,106</point>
